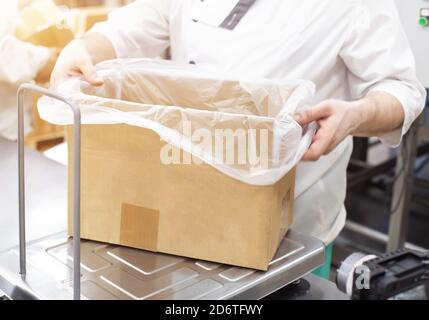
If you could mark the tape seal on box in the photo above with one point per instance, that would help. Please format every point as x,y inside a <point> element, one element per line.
<point>139,227</point>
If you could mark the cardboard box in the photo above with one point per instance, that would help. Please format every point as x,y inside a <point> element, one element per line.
<point>83,19</point>
<point>80,3</point>
<point>42,24</point>
<point>130,198</point>
<point>228,212</point>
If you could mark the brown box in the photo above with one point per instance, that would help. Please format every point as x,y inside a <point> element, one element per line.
<point>53,36</point>
<point>41,24</point>
<point>130,198</point>
<point>83,19</point>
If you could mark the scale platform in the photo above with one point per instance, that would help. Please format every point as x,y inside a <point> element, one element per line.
<point>114,272</point>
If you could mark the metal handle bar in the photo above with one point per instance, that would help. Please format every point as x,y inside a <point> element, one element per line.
<point>76,182</point>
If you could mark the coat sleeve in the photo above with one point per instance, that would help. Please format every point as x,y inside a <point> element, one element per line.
<point>20,61</point>
<point>379,58</point>
<point>140,29</point>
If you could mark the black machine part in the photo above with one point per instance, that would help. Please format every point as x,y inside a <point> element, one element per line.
<point>383,277</point>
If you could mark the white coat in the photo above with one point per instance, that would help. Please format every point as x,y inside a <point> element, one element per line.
<point>346,47</point>
<point>19,62</point>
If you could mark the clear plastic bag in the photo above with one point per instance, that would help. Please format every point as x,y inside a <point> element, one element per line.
<point>185,104</point>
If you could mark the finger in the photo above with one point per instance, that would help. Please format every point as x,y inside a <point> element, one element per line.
<point>90,74</point>
<point>58,76</point>
<point>317,149</point>
<point>330,148</point>
<point>322,141</point>
<point>57,79</point>
<point>314,114</point>
<point>334,143</point>
<point>74,73</point>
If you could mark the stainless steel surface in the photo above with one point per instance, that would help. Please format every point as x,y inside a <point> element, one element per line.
<point>46,196</point>
<point>402,190</point>
<point>21,185</point>
<point>310,287</point>
<point>113,272</point>
<point>29,88</point>
<point>321,289</point>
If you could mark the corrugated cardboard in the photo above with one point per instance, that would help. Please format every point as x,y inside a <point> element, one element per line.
<point>80,3</point>
<point>42,24</point>
<point>130,198</point>
<point>53,36</point>
<point>83,19</point>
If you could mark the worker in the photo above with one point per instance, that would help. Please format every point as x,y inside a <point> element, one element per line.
<point>20,62</point>
<point>355,51</point>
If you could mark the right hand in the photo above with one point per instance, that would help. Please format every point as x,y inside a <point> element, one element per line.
<point>73,61</point>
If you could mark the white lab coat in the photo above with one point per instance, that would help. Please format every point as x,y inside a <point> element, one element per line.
<point>19,62</point>
<point>346,47</point>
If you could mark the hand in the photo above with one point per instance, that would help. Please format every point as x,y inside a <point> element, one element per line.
<point>75,60</point>
<point>336,119</point>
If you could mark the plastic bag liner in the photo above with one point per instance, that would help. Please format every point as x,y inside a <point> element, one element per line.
<point>243,128</point>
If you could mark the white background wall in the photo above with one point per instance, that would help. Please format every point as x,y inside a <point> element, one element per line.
<point>409,10</point>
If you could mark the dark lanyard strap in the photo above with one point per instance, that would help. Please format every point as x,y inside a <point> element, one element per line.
<point>237,13</point>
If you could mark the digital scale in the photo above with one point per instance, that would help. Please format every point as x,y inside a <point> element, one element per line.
<point>114,272</point>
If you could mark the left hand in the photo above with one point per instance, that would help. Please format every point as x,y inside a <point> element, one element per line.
<point>336,119</point>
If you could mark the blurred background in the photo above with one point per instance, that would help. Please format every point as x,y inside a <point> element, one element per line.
<point>49,24</point>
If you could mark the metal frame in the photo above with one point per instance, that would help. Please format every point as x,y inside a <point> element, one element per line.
<point>402,190</point>
<point>360,171</point>
<point>377,236</point>
<point>76,181</point>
